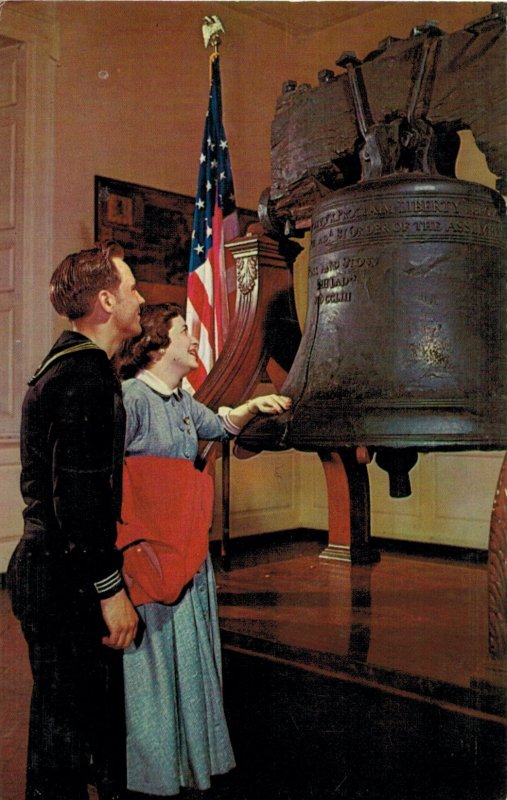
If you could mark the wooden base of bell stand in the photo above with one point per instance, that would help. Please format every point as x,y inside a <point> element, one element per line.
<point>340,552</point>
<point>348,494</point>
<point>336,552</point>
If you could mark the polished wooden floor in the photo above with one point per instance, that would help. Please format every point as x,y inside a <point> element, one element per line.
<point>370,683</point>
<point>413,624</point>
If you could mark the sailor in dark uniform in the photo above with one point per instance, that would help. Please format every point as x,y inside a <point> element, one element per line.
<point>64,577</point>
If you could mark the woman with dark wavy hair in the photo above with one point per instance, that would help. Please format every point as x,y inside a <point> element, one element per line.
<point>176,729</point>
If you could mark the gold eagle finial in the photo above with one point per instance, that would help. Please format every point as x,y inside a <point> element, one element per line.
<point>211,30</point>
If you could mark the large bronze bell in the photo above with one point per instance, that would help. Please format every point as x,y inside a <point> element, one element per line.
<point>405,342</point>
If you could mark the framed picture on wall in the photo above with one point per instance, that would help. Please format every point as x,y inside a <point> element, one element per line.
<point>154,227</point>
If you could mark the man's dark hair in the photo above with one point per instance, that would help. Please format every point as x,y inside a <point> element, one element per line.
<point>77,280</point>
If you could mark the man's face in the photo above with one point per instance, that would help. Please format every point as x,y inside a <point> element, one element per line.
<point>127,302</point>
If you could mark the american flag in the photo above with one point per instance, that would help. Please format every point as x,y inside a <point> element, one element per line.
<point>215,222</point>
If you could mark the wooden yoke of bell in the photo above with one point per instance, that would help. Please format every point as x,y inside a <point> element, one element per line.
<point>264,285</point>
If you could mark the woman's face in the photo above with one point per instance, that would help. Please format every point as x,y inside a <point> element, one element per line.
<point>181,353</point>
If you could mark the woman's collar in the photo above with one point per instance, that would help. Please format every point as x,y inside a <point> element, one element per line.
<point>156,383</point>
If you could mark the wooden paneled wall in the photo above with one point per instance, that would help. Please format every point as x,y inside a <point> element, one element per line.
<point>451,500</point>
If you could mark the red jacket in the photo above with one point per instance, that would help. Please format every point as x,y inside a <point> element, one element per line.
<point>166,516</point>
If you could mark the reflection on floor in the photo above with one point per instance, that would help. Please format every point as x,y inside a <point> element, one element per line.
<point>410,624</point>
<point>346,685</point>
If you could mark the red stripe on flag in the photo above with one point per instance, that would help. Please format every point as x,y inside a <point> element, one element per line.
<point>199,298</point>
<point>219,300</point>
<point>197,376</point>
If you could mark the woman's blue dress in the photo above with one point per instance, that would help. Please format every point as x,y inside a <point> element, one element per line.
<point>177,734</point>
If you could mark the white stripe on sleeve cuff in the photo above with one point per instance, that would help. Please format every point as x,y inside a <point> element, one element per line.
<point>113,581</point>
<point>230,427</point>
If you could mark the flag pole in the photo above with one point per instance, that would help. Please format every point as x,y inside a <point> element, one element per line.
<point>211,279</point>
<point>212,29</point>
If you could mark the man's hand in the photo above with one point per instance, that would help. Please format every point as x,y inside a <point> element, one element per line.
<point>121,619</point>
